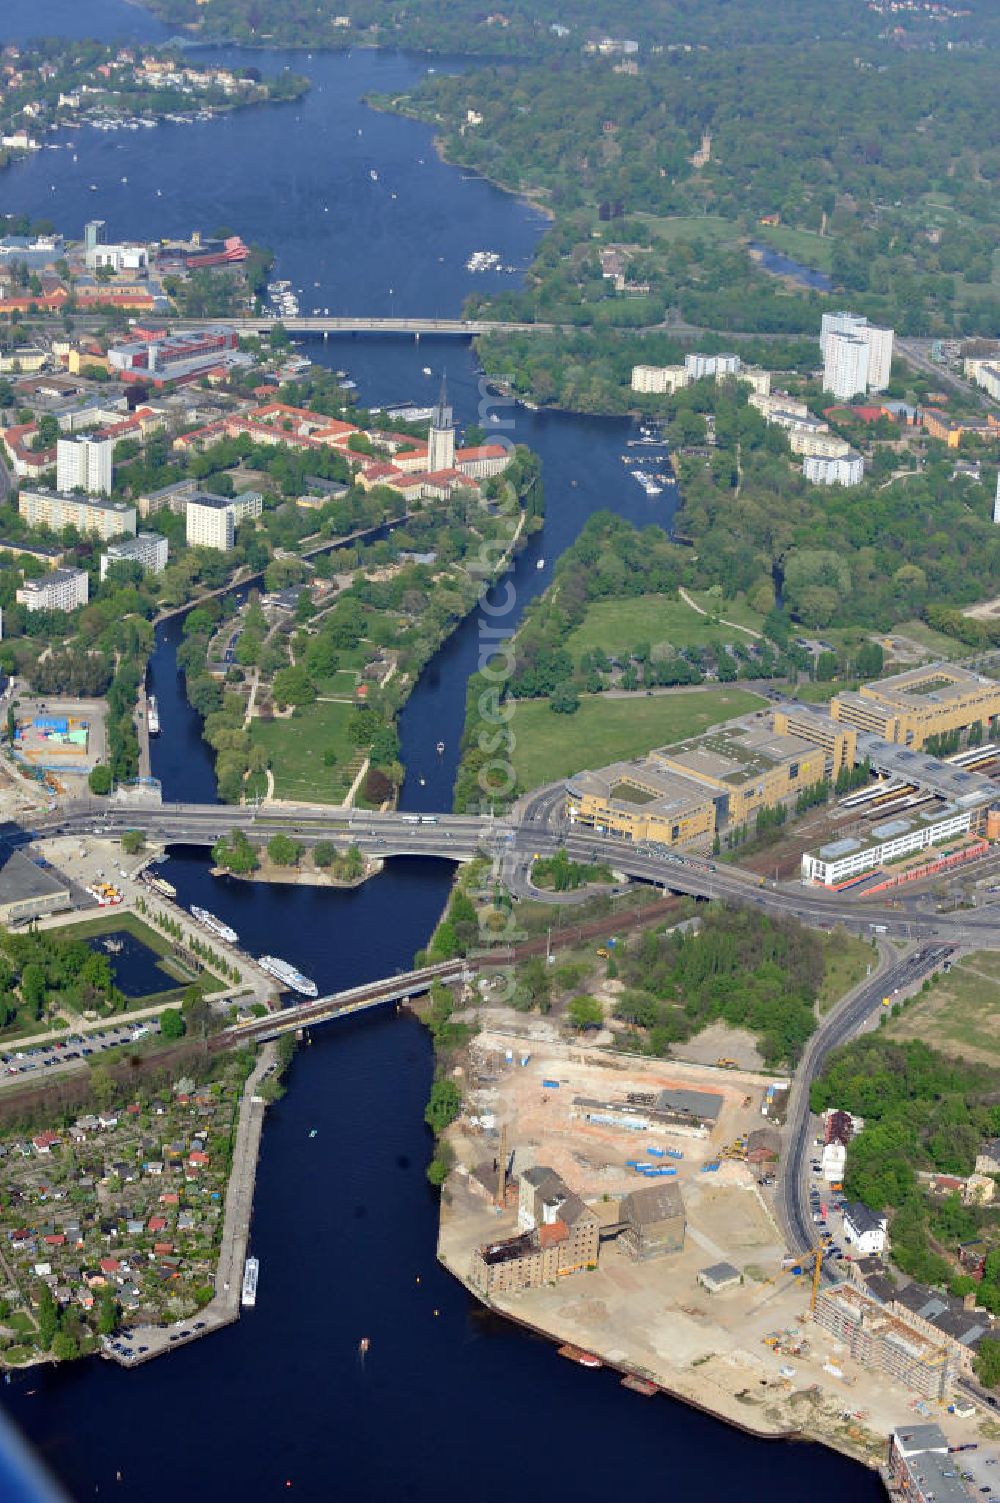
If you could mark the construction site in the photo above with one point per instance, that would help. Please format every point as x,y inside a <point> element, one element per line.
<point>58,742</point>
<point>718,1313</point>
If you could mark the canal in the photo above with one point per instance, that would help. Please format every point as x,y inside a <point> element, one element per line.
<point>449,1401</point>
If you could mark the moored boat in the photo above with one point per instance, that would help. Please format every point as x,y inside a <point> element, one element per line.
<point>214,925</point>
<point>577,1354</point>
<point>251,1270</point>
<point>287,975</point>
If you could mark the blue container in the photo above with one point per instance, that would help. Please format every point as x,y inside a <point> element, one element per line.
<point>550,1085</point>
<point>656,1153</point>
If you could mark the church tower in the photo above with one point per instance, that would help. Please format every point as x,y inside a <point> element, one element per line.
<point>441,438</point>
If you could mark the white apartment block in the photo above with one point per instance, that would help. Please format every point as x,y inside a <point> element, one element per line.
<point>659,380</point>
<point>845,366</point>
<point>758,380</point>
<point>848,469</point>
<point>985,373</point>
<point>879,357</point>
<point>85,464</point>
<point>767,403</point>
<point>212,520</point>
<point>247,505</point>
<point>88,514</point>
<point>59,590</point>
<point>148,549</point>
<point>210,523</point>
<point>877,369</point>
<point>700,366</point>
<point>664,380</point>
<point>819,443</point>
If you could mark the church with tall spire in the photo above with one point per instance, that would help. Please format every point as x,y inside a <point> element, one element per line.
<point>441,437</point>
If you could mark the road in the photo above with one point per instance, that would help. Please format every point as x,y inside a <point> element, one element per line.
<point>917,353</point>
<point>536,826</point>
<point>840,1025</point>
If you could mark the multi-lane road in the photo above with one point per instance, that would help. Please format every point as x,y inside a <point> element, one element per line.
<point>536,827</point>
<point>841,1025</point>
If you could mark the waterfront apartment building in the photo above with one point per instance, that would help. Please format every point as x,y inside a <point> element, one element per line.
<point>88,514</point>
<point>660,380</point>
<point>212,520</point>
<point>771,402</point>
<point>148,549</point>
<point>85,464</point>
<point>59,590</point>
<point>929,701</point>
<point>664,380</point>
<point>878,342</point>
<point>921,1468</point>
<point>827,469</point>
<point>882,1342</point>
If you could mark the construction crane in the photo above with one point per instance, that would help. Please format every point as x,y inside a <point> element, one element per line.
<point>817,1270</point>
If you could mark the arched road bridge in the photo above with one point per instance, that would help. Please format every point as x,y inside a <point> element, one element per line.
<point>536,827</point>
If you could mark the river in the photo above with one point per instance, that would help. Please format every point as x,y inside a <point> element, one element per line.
<point>450,1400</point>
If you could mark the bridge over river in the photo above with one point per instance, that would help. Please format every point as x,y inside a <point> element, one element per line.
<point>462,328</point>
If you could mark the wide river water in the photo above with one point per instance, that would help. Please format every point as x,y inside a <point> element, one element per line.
<point>450,1402</point>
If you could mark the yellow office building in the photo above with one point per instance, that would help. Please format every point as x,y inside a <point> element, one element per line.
<point>688,792</point>
<point>929,701</point>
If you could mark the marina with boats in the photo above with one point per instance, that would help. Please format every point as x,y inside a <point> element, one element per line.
<point>649,462</point>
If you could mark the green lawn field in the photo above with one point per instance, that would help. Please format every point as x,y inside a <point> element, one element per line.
<point>549,746</point>
<point>618,625</point>
<point>690,227</point>
<point>296,748</point>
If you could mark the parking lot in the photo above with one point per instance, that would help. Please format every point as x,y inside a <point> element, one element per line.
<point>826,1208</point>
<point>70,1052</point>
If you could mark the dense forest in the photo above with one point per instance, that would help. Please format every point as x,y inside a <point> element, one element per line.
<point>872,555</point>
<point>740,968</point>
<point>887,182</point>
<point>922,1112</point>
<point>526,27</point>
